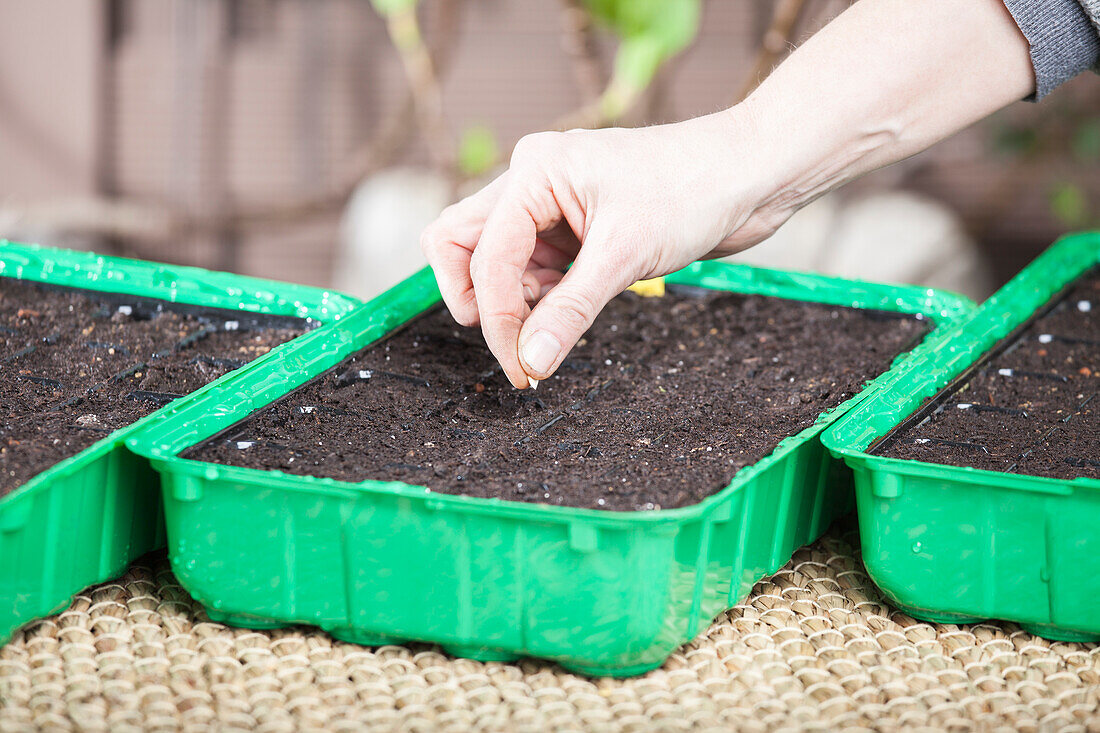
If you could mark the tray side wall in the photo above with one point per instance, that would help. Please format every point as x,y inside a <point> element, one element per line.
<point>600,597</point>
<point>604,593</point>
<point>958,544</point>
<point>85,519</point>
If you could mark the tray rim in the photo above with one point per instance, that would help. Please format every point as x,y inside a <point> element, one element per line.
<point>964,344</point>
<point>163,443</point>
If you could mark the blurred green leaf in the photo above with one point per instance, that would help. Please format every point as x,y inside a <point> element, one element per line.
<point>477,151</point>
<point>1069,204</point>
<point>388,7</point>
<point>650,33</point>
<point>1086,141</point>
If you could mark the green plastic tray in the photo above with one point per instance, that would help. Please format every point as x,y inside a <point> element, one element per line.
<point>86,518</point>
<point>603,593</point>
<point>953,545</point>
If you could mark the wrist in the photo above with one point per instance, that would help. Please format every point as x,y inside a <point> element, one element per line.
<point>731,166</point>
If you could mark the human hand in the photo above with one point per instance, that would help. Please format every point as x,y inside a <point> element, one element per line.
<point>884,80</point>
<point>620,204</point>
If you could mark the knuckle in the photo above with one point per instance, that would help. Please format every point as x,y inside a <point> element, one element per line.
<point>477,265</point>
<point>486,265</point>
<point>535,147</point>
<point>575,310</point>
<point>451,214</point>
<point>429,240</point>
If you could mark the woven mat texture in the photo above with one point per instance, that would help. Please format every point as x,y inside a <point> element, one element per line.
<point>813,648</point>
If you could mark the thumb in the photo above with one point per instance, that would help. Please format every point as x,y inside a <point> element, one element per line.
<point>566,312</point>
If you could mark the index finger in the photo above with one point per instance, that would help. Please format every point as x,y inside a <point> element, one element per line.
<point>496,269</point>
<point>449,242</point>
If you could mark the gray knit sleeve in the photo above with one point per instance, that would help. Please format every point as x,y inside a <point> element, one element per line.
<point>1064,36</point>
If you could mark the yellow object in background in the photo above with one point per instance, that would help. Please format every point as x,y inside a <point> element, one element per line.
<point>654,288</point>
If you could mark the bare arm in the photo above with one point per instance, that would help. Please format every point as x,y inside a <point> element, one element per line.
<point>885,80</point>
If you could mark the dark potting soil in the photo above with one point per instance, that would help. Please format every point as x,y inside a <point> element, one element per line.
<point>75,366</point>
<point>659,405</point>
<point>1034,408</point>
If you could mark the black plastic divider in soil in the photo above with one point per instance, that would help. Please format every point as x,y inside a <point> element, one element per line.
<point>1030,406</point>
<point>658,406</point>
<point>76,365</point>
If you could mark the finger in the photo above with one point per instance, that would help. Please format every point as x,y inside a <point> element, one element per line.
<point>552,256</point>
<point>546,278</point>
<point>568,309</point>
<point>532,288</point>
<point>537,281</point>
<point>451,266</point>
<point>557,246</point>
<point>449,242</point>
<point>497,268</point>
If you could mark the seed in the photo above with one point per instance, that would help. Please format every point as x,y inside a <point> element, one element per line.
<point>479,387</point>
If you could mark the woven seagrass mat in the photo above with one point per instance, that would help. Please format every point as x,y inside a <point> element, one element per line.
<point>813,648</point>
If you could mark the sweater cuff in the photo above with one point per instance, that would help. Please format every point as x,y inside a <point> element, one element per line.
<point>1063,41</point>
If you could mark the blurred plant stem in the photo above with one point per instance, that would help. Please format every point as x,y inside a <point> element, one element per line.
<point>403,27</point>
<point>650,33</point>
<point>579,41</point>
<point>777,41</point>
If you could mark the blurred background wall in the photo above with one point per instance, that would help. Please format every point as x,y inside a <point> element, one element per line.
<point>233,133</point>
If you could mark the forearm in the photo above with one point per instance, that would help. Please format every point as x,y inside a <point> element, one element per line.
<point>885,80</point>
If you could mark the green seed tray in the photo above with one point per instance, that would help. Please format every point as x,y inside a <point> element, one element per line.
<point>954,545</point>
<point>84,520</point>
<point>603,593</point>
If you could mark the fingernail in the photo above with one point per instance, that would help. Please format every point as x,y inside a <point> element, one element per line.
<point>528,293</point>
<point>540,351</point>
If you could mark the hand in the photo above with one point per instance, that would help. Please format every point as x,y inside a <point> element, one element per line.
<point>884,80</point>
<point>620,204</point>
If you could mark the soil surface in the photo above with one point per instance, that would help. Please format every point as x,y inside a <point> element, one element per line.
<point>1034,408</point>
<point>74,367</point>
<point>660,404</point>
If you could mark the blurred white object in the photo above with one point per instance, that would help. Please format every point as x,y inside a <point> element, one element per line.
<point>895,236</point>
<point>380,230</point>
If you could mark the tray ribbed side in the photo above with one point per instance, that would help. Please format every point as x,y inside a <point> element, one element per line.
<point>958,544</point>
<point>606,593</point>
<point>85,519</point>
